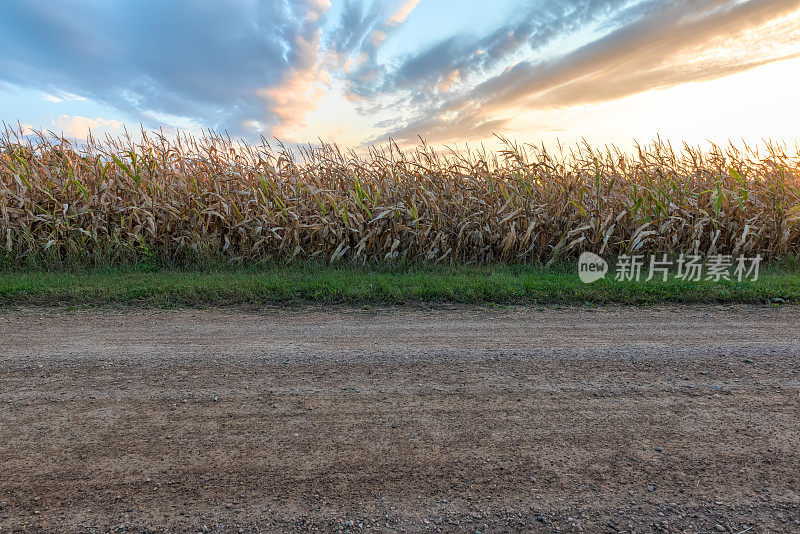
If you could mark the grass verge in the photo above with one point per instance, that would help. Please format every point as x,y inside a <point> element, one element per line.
<point>374,284</point>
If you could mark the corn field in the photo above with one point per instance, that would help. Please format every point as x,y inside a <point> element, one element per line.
<point>186,199</point>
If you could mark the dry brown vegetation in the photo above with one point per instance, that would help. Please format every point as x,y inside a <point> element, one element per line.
<point>191,199</point>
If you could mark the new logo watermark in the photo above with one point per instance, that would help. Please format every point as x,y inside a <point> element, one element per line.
<point>591,267</point>
<point>686,267</point>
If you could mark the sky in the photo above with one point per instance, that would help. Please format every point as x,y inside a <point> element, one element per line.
<point>360,72</point>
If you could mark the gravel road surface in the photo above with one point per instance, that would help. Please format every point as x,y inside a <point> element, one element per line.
<point>307,418</point>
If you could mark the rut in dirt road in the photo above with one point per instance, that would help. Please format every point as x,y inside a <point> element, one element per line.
<point>401,418</point>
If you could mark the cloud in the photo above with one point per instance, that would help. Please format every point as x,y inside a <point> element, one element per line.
<point>357,38</point>
<point>305,83</point>
<point>448,81</point>
<point>532,29</point>
<point>659,47</point>
<point>261,66</point>
<point>203,59</point>
<point>356,23</point>
<point>77,127</point>
<point>299,92</point>
<point>402,12</point>
<point>64,97</point>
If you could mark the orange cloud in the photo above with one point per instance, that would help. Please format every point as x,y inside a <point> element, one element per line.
<point>448,81</point>
<point>77,127</point>
<point>402,12</point>
<point>302,87</point>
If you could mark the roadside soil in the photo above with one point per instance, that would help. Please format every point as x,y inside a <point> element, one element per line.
<point>416,419</point>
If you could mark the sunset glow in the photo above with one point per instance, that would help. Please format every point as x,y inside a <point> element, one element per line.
<point>360,72</point>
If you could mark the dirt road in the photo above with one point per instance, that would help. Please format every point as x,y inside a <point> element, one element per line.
<point>403,418</point>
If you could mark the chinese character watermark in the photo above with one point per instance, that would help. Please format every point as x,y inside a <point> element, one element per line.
<point>686,267</point>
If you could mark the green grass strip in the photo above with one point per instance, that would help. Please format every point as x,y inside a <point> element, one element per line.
<point>373,284</point>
